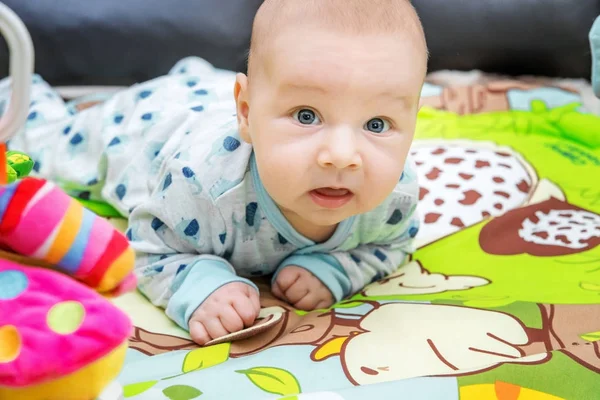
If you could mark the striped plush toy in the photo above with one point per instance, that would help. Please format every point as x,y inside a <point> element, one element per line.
<point>41,222</point>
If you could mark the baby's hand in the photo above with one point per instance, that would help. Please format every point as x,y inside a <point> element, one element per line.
<point>227,310</point>
<point>300,288</point>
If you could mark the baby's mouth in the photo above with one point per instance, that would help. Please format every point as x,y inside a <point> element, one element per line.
<point>329,197</point>
<point>332,192</point>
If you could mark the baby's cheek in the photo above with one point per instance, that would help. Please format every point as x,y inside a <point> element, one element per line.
<point>277,178</point>
<point>283,162</point>
<point>379,184</point>
<point>274,169</point>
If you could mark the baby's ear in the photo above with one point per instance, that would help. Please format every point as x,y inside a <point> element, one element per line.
<point>240,92</point>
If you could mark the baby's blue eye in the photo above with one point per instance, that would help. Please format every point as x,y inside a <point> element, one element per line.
<point>377,125</point>
<point>306,117</point>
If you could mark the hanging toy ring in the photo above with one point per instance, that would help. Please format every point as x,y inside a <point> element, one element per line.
<point>21,62</point>
<point>21,66</point>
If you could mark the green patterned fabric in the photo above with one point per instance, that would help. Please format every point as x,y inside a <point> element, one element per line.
<point>501,300</point>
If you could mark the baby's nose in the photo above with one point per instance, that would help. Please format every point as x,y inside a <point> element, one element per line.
<point>340,150</point>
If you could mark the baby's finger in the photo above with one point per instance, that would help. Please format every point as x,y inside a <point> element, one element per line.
<point>230,319</point>
<point>276,290</point>
<point>245,311</point>
<point>215,328</point>
<point>308,302</point>
<point>287,277</point>
<point>296,292</point>
<point>255,300</point>
<point>198,332</point>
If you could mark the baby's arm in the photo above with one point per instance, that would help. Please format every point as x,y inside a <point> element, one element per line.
<point>300,279</point>
<point>172,234</point>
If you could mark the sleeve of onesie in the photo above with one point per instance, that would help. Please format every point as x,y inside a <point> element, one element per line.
<point>347,272</point>
<point>173,236</point>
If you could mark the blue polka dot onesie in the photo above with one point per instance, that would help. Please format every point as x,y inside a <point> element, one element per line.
<point>167,155</point>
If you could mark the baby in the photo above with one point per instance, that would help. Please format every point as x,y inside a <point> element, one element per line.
<point>321,194</point>
<point>307,181</point>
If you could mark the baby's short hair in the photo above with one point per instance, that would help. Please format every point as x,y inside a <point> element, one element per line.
<point>347,16</point>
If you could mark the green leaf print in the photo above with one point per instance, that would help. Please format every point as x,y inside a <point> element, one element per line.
<point>591,337</point>
<point>273,380</point>
<point>206,357</point>
<point>136,388</point>
<point>181,392</point>
<point>349,304</point>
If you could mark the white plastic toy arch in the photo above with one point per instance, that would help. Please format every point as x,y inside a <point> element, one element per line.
<point>20,49</point>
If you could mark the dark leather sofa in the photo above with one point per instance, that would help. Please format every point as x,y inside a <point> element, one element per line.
<point>120,42</point>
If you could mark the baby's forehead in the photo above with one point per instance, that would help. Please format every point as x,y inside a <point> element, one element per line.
<point>334,61</point>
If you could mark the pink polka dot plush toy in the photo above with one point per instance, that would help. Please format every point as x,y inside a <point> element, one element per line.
<point>60,337</point>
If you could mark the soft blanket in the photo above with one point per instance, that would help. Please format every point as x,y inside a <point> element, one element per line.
<point>501,301</point>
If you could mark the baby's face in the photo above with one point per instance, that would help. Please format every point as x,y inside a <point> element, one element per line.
<point>331,119</point>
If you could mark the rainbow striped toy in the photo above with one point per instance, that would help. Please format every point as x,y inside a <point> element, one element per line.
<point>41,222</point>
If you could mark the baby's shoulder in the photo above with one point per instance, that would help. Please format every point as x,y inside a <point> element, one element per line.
<point>213,159</point>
